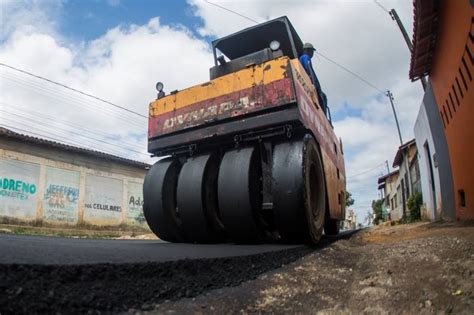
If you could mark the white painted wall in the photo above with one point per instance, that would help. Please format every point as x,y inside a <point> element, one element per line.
<point>423,136</point>
<point>37,189</point>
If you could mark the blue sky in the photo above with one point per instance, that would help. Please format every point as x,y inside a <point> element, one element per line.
<point>89,19</point>
<point>118,49</point>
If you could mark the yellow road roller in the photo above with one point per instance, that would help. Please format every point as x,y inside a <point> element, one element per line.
<point>249,156</point>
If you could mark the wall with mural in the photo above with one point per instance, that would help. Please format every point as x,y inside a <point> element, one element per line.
<point>135,204</point>
<point>19,189</point>
<point>39,193</point>
<point>103,201</point>
<point>61,196</point>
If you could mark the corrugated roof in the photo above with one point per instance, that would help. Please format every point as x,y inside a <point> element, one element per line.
<point>7,133</point>
<point>425,34</point>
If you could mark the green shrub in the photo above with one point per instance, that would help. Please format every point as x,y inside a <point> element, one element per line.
<point>414,205</point>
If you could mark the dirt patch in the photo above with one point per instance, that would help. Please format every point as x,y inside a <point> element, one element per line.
<point>405,269</point>
<point>397,233</point>
<point>76,233</point>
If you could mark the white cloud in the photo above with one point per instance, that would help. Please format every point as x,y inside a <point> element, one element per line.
<point>121,66</point>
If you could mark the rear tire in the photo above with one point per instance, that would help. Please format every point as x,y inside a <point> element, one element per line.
<point>314,189</point>
<point>299,195</point>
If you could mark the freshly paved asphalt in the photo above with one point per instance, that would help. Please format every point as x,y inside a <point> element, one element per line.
<point>21,249</point>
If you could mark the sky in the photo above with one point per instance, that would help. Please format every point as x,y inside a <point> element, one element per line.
<point>118,49</point>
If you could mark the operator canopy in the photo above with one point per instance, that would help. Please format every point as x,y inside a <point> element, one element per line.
<point>259,37</point>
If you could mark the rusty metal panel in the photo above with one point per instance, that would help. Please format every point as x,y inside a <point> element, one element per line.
<point>18,189</point>
<point>135,204</point>
<point>103,200</point>
<point>245,91</point>
<point>61,196</point>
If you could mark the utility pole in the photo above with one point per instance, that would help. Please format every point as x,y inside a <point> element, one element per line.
<point>390,97</point>
<point>396,18</point>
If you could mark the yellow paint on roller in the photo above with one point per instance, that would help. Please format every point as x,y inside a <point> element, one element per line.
<point>265,73</point>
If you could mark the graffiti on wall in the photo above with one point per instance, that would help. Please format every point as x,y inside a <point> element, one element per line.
<point>18,189</point>
<point>61,196</point>
<point>135,204</point>
<point>103,200</point>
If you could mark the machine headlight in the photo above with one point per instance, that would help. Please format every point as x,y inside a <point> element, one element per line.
<point>159,86</point>
<point>274,45</point>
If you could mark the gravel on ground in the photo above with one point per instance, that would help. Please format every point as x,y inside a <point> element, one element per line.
<point>423,268</point>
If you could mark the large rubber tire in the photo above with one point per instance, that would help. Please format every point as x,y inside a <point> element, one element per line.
<point>287,189</point>
<point>239,194</point>
<point>315,189</point>
<point>159,196</point>
<point>197,199</point>
<point>299,196</point>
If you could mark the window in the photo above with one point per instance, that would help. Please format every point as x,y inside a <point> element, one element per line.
<point>462,197</point>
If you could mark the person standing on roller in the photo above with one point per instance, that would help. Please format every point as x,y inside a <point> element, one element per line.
<point>305,60</point>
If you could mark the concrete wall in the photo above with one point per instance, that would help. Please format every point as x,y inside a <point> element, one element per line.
<point>54,187</point>
<point>397,192</point>
<point>441,160</point>
<point>389,191</point>
<point>431,199</point>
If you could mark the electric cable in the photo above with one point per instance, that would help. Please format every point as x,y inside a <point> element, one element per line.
<point>47,118</point>
<point>61,96</point>
<point>381,6</point>
<point>75,133</point>
<point>71,88</point>
<point>232,11</point>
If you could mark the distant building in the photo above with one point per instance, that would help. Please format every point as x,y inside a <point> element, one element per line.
<point>399,185</point>
<point>48,183</point>
<point>443,49</point>
<point>387,184</point>
<point>350,223</point>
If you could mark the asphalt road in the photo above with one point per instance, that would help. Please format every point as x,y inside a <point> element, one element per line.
<point>64,275</point>
<point>21,249</point>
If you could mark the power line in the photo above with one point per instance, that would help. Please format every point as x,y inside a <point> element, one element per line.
<point>73,133</point>
<point>61,138</point>
<point>381,6</point>
<point>367,171</point>
<point>72,89</point>
<point>61,96</point>
<point>80,146</point>
<point>350,71</point>
<point>35,114</point>
<point>229,10</point>
<point>352,181</point>
<point>325,57</point>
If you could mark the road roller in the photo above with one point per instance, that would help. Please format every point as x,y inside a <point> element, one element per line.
<point>249,156</point>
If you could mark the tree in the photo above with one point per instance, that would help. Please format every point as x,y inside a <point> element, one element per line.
<point>349,199</point>
<point>377,208</point>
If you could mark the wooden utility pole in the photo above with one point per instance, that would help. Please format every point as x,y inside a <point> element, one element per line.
<point>396,18</point>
